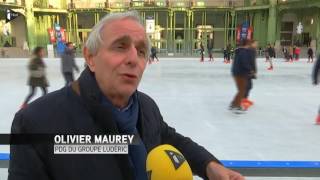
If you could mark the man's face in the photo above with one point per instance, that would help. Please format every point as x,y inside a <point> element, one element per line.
<point>121,59</point>
<point>70,46</point>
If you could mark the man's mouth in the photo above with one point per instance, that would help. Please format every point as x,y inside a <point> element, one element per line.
<point>130,76</point>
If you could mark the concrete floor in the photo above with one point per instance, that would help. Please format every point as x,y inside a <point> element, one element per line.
<point>193,97</point>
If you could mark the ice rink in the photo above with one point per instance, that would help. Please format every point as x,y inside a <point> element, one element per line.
<point>194,98</point>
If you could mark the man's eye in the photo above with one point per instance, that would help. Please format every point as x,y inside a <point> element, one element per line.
<point>142,52</point>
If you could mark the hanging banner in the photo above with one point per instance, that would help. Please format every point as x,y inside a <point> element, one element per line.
<point>250,33</point>
<point>63,34</point>
<point>150,24</point>
<point>52,35</point>
<point>238,33</point>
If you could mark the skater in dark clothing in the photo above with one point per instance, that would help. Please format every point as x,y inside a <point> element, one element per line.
<point>210,48</point>
<point>315,81</point>
<point>37,75</point>
<point>246,103</point>
<point>68,63</point>
<point>310,55</point>
<point>154,53</point>
<point>286,54</point>
<point>271,54</point>
<point>241,69</point>
<point>229,53</point>
<point>201,52</point>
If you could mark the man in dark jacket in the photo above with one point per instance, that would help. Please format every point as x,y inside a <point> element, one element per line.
<point>241,69</point>
<point>105,100</point>
<point>315,81</point>
<point>68,63</point>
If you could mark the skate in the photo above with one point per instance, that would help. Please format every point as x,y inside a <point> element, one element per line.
<point>246,100</point>
<point>237,110</point>
<point>318,120</point>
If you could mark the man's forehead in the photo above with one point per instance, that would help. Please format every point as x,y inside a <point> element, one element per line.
<point>124,27</point>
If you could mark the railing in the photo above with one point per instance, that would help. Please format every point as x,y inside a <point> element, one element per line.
<point>118,4</point>
<point>84,5</point>
<point>217,3</point>
<point>157,3</point>
<point>251,168</point>
<point>13,2</point>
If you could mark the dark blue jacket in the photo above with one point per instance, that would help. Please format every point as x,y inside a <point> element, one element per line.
<point>77,109</point>
<point>316,71</point>
<point>244,62</point>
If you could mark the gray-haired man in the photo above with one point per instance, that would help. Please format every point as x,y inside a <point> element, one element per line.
<point>105,100</point>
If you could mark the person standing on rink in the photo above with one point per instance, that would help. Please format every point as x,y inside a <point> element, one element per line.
<point>201,52</point>
<point>297,53</point>
<point>210,47</point>
<point>37,74</point>
<point>272,54</point>
<point>241,70</point>
<point>315,81</point>
<point>310,55</point>
<point>228,53</point>
<point>245,102</point>
<point>68,63</point>
<point>154,54</point>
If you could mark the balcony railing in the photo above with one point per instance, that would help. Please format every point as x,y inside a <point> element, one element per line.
<point>85,5</point>
<point>217,3</point>
<point>13,2</point>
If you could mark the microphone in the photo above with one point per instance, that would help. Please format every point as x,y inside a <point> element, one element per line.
<point>166,162</point>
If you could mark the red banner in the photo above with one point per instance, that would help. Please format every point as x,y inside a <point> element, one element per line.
<point>63,34</point>
<point>250,33</point>
<point>238,33</point>
<point>52,35</point>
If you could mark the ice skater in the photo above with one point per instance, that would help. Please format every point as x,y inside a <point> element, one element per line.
<point>37,75</point>
<point>68,63</point>
<point>241,69</point>
<point>153,54</point>
<point>286,54</point>
<point>315,81</point>
<point>310,55</point>
<point>245,102</point>
<point>210,47</point>
<point>201,52</point>
<point>227,54</point>
<point>297,53</point>
<point>270,54</point>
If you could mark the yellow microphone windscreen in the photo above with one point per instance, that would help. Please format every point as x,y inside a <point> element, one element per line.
<point>165,162</point>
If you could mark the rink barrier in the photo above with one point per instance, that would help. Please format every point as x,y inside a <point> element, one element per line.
<point>251,168</point>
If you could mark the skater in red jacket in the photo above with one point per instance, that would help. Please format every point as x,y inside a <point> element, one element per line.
<point>297,53</point>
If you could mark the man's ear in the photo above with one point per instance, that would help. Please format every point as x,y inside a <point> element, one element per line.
<point>89,59</point>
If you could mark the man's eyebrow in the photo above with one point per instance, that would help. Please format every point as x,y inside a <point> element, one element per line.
<point>124,38</point>
<point>142,44</point>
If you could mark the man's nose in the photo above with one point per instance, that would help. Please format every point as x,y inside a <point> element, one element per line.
<point>132,54</point>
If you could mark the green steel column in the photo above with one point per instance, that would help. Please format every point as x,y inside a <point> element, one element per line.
<point>170,43</point>
<point>225,27</point>
<point>279,25</point>
<point>76,28</point>
<point>189,38</point>
<point>272,21</point>
<point>317,19</point>
<point>30,24</point>
<point>232,26</point>
<point>235,28</point>
<point>192,32</point>
<point>69,27</point>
